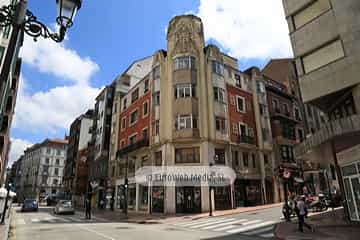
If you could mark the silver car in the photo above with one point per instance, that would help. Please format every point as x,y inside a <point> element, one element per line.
<point>64,206</point>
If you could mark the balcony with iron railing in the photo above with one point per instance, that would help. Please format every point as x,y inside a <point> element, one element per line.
<point>132,147</point>
<point>246,139</point>
<point>330,130</point>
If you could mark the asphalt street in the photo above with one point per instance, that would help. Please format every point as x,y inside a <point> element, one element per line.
<point>44,225</point>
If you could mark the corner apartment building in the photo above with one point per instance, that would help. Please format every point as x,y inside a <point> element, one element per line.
<point>8,92</point>
<point>76,166</point>
<point>326,45</point>
<point>100,144</point>
<point>42,168</point>
<point>195,108</point>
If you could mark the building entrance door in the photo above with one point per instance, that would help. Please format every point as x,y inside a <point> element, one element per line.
<point>188,199</point>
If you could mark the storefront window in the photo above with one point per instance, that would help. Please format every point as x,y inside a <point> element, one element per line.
<point>143,201</point>
<point>158,199</point>
<point>120,198</point>
<point>132,196</point>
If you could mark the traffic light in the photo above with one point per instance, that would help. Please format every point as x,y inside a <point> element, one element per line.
<point>9,186</point>
<point>126,183</point>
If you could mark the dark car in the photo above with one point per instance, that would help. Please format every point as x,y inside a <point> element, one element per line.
<point>30,205</point>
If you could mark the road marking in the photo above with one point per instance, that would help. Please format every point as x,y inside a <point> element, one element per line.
<point>35,220</point>
<point>197,222</point>
<point>74,219</point>
<point>97,233</point>
<point>269,235</point>
<point>20,221</point>
<point>258,231</point>
<point>207,224</point>
<point>244,229</point>
<point>225,224</point>
<point>234,226</point>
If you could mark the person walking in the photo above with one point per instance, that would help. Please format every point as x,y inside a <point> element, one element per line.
<point>87,208</point>
<point>302,212</point>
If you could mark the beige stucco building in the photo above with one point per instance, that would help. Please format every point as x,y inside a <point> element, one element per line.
<point>194,108</point>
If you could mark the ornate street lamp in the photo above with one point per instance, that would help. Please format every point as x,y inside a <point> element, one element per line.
<point>19,17</point>
<point>23,20</point>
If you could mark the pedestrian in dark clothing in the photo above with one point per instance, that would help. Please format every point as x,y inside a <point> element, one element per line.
<point>112,203</point>
<point>88,208</point>
<point>302,214</point>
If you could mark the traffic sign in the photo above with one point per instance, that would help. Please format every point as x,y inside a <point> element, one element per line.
<point>287,174</point>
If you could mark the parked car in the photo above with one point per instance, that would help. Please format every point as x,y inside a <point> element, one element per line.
<point>30,205</point>
<point>64,206</point>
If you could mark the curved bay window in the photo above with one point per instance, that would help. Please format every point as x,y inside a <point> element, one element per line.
<point>186,62</point>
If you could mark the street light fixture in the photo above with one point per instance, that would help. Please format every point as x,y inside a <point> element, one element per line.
<point>216,158</point>
<point>20,18</point>
<point>23,20</point>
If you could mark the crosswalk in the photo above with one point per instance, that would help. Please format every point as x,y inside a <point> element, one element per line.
<point>52,219</point>
<point>252,227</point>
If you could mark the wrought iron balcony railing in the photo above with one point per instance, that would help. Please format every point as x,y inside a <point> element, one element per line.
<point>246,139</point>
<point>132,147</point>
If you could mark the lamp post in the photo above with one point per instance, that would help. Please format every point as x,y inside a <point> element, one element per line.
<point>216,157</point>
<point>23,20</point>
<point>8,188</point>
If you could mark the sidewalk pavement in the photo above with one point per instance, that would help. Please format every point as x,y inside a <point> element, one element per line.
<point>144,217</point>
<point>5,228</point>
<point>330,225</point>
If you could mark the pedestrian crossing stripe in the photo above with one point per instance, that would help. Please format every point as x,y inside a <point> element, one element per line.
<point>20,221</point>
<point>250,227</point>
<point>259,231</point>
<point>210,223</point>
<point>186,224</point>
<point>268,235</point>
<point>233,226</point>
<point>35,220</point>
<point>225,223</point>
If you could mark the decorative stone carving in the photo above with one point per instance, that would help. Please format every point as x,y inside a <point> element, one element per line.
<point>184,39</point>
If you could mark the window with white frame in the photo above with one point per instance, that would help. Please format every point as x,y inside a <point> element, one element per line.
<point>220,124</point>
<point>124,103</point>
<point>145,108</point>
<point>218,68</point>
<point>146,85</point>
<point>219,94</point>
<point>184,91</point>
<point>156,72</point>
<point>240,104</point>
<point>123,123</point>
<point>156,98</point>
<point>133,117</point>
<point>135,95</point>
<point>186,62</point>
<point>238,80</point>
<point>132,139</point>
<point>243,129</point>
<point>186,121</point>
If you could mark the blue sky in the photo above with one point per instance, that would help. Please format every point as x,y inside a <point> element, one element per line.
<point>60,81</point>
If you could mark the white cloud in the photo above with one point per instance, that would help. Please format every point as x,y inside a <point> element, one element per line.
<point>54,58</point>
<point>54,109</point>
<point>247,29</point>
<point>17,149</point>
